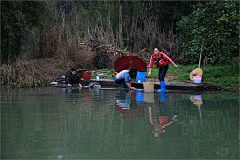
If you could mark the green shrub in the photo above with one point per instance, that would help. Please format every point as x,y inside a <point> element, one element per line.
<point>215,25</point>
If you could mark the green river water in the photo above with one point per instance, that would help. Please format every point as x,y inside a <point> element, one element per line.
<point>51,123</point>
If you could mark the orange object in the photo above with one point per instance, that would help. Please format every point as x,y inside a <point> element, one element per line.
<point>87,75</point>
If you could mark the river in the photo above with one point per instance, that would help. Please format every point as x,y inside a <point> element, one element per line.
<point>52,123</point>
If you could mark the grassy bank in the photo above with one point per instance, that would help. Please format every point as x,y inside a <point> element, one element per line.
<point>43,71</point>
<point>224,76</point>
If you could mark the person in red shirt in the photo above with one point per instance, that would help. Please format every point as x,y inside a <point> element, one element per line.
<point>160,122</point>
<point>161,60</point>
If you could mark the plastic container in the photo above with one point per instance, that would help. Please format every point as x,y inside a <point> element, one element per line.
<point>140,76</point>
<point>148,86</point>
<point>54,83</point>
<point>87,75</point>
<point>197,79</point>
<point>197,97</point>
<point>139,97</point>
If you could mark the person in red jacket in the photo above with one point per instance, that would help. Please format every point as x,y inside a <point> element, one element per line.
<point>161,60</point>
<point>160,123</point>
<point>161,120</point>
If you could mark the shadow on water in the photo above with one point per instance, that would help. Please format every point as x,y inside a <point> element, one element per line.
<point>51,123</point>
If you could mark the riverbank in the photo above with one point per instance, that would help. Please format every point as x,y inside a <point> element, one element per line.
<point>170,86</point>
<point>224,77</point>
<point>41,72</point>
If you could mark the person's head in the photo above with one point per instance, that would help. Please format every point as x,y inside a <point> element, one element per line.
<point>156,51</point>
<point>74,71</point>
<point>133,72</point>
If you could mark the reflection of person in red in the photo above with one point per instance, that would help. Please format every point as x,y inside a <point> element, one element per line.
<point>161,121</point>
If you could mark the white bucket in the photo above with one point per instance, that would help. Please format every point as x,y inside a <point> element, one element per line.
<point>197,79</point>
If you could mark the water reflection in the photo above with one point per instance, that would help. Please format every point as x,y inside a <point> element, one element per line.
<point>161,117</point>
<point>105,124</point>
<point>130,104</point>
<point>149,98</point>
<point>71,95</point>
<point>197,100</point>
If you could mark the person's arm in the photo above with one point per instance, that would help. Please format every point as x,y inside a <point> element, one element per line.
<point>67,81</point>
<point>176,66</point>
<point>150,66</point>
<point>175,116</point>
<point>127,82</point>
<point>149,72</point>
<point>169,59</point>
<point>150,115</point>
<point>129,86</point>
<point>79,82</point>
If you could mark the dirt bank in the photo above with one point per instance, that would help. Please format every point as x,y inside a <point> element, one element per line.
<point>27,73</point>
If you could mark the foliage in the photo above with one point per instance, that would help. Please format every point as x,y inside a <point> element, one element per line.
<point>31,29</point>
<point>26,30</point>
<point>216,26</point>
<point>125,52</point>
<point>19,18</point>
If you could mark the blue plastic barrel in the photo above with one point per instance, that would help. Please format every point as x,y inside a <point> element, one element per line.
<point>140,76</point>
<point>139,97</point>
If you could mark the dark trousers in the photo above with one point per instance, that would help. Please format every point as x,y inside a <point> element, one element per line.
<point>120,81</point>
<point>72,81</point>
<point>162,72</point>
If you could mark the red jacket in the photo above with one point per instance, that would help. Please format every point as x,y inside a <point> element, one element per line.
<point>163,122</point>
<point>162,58</point>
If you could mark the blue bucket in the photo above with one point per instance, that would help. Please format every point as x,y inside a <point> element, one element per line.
<point>140,76</point>
<point>139,97</point>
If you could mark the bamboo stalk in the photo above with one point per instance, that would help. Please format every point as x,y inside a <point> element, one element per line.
<point>199,63</point>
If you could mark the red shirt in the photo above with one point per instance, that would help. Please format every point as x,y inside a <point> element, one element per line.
<point>163,60</point>
<point>163,120</point>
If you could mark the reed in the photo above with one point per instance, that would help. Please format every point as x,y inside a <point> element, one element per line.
<point>98,46</point>
<point>25,73</point>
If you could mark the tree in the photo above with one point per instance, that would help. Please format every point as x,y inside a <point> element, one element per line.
<point>216,26</point>
<point>18,17</point>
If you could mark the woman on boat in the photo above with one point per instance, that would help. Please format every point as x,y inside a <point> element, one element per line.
<point>161,60</point>
<point>72,78</point>
<point>124,78</point>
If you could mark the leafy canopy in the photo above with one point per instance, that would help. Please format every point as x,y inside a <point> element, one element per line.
<point>215,25</point>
